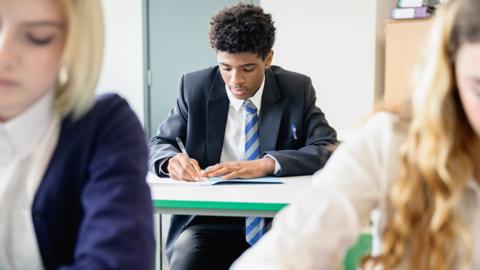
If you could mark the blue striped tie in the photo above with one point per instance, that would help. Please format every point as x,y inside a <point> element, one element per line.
<point>254,226</point>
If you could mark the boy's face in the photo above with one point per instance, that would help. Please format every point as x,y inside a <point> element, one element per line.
<point>243,72</point>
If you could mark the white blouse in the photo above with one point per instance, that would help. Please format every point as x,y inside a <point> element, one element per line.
<point>26,146</point>
<point>316,230</point>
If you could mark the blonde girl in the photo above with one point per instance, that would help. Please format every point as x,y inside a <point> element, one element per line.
<point>72,165</point>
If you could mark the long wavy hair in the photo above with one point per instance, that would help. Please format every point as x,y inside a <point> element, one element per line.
<point>424,230</point>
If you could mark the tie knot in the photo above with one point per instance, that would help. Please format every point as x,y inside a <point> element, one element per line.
<point>250,107</point>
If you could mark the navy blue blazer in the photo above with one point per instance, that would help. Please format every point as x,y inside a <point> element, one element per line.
<point>93,208</point>
<point>200,118</point>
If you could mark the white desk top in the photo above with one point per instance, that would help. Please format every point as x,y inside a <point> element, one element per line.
<point>228,199</point>
<point>163,189</point>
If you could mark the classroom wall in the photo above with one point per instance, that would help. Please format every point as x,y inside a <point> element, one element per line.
<point>339,44</point>
<point>123,67</point>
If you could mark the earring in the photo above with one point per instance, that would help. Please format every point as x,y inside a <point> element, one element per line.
<point>62,76</point>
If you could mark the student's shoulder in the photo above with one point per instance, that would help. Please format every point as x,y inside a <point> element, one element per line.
<point>107,108</point>
<point>383,128</point>
<point>282,74</point>
<point>109,121</point>
<point>198,83</point>
<point>295,85</point>
<point>387,121</point>
<point>111,105</point>
<point>206,74</point>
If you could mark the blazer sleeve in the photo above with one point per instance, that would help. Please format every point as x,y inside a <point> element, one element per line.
<point>320,140</point>
<point>116,230</point>
<point>162,145</point>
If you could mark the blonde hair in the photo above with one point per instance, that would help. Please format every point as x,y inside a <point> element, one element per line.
<point>436,157</point>
<point>82,56</point>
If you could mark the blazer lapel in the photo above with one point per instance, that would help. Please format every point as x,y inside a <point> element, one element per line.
<point>270,114</point>
<point>217,113</point>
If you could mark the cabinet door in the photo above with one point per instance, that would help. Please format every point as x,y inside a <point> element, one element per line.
<point>405,48</point>
<point>176,43</point>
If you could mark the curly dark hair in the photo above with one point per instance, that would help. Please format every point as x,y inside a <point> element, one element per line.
<point>242,28</point>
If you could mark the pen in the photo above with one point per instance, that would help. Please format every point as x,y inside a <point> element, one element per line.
<point>182,147</point>
<point>294,131</point>
<point>184,151</point>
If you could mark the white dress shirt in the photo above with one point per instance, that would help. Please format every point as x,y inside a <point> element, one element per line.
<point>315,231</point>
<point>234,139</point>
<point>26,145</point>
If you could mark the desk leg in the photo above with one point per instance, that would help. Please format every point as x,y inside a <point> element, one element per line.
<point>160,241</point>
<point>157,224</point>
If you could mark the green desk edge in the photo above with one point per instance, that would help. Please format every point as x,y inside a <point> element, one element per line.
<point>218,205</point>
<point>352,257</point>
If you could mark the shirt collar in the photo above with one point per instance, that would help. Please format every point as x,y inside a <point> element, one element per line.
<point>256,99</point>
<point>19,134</point>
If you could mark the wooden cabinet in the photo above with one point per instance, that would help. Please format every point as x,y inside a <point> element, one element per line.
<point>404,49</point>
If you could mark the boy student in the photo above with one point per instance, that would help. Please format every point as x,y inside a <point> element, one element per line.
<point>242,119</point>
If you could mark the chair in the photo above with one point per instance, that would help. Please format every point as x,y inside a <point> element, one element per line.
<point>362,247</point>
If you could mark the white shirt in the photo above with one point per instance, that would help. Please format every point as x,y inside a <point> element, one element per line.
<point>26,145</point>
<point>316,230</point>
<point>234,139</point>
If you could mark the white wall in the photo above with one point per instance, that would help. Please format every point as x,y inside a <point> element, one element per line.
<point>335,43</point>
<point>123,62</point>
<point>339,44</point>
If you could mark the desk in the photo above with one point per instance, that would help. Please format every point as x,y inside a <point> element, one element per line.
<point>240,200</point>
<point>237,200</point>
<point>225,200</point>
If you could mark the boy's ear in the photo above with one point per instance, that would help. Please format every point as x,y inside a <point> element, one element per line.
<point>268,60</point>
